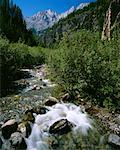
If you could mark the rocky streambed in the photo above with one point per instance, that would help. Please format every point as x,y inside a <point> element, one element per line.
<point>34,120</point>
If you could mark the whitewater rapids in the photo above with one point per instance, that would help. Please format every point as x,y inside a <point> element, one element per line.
<point>39,138</point>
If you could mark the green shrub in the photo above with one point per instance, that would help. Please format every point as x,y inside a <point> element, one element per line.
<point>15,56</point>
<point>84,64</point>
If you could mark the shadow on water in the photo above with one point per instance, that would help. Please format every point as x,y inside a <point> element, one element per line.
<point>14,87</point>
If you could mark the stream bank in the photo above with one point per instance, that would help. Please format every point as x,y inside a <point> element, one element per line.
<point>38,90</point>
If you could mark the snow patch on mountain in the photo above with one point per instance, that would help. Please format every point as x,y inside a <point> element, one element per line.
<point>43,20</point>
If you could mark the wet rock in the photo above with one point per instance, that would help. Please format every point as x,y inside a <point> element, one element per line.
<point>17,141</point>
<point>25,129</point>
<point>8,128</point>
<point>62,126</point>
<point>114,140</point>
<point>28,116</point>
<point>1,142</point>
<point>65,97</point>
<point>40,110</point>
<point>50,101</point>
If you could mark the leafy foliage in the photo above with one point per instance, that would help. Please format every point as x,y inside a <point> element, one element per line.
<point>88,66</point>
<point>15,56</point>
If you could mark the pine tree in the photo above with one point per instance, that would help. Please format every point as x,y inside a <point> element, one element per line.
<point>12,24</point>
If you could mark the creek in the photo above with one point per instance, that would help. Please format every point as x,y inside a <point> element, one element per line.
<point>83,134</point>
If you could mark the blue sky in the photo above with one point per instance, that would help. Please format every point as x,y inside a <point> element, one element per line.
<point>30,7</point>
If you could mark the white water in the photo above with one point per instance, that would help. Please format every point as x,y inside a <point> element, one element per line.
<point>39,138</point>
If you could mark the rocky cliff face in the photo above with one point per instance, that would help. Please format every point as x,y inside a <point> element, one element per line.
<point>112,19</point>
<point>47,18</point>
<point>42,20</point>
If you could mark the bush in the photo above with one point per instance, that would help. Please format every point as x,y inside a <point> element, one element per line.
<point>14,57</point>
<point>84,64</point>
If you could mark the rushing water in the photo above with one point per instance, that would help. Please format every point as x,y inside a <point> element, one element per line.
<point>40,131</point>
<point>85,134</point>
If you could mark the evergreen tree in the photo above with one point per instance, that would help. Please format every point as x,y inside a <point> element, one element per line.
<point>12,24</point>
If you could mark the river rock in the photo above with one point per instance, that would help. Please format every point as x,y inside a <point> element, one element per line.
<point>40,110</point>
<point>114,140</point>
<point>8,128</point>
<point>65,97</point>
<point>25,129</point>
<point>50,101</point>
<point>28,116</point>
<point>17,141</point>
<point>62,126</point>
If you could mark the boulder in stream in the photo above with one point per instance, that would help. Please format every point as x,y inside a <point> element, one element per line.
<point>8,128</point>
<point>62,126</point>
<point>50,101</point>
<point>114,140</point>
<point>28,116</point>
<point>17,141</point>
<point>25,129</point>
<point>40,110</point>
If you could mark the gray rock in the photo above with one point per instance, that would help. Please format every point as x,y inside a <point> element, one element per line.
<point>40,110</point>
<point>8,128</point>
<point>17,141</point>
<point>50,101</point>
<point>114,139</point>
<point>28,116</point>
<point>62,126</point>
<point>25,129</point>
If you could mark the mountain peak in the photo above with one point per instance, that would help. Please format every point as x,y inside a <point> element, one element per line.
<point>46,18</point>
<point>82,5</point>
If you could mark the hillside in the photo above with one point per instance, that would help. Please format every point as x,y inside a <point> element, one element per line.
<point>90,18</point>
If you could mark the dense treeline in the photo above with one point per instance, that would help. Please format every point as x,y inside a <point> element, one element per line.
<point>15,56</point>
<point>90,17</point>
<point>84,65</point>
<point>12,24</point>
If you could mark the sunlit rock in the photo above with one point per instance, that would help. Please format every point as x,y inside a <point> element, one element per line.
<point>25,129</point>
<point>50,101</point>
<point>28,116</point>
<point>40,110</point>
<point>8,128</point>
<point>62,126</point>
